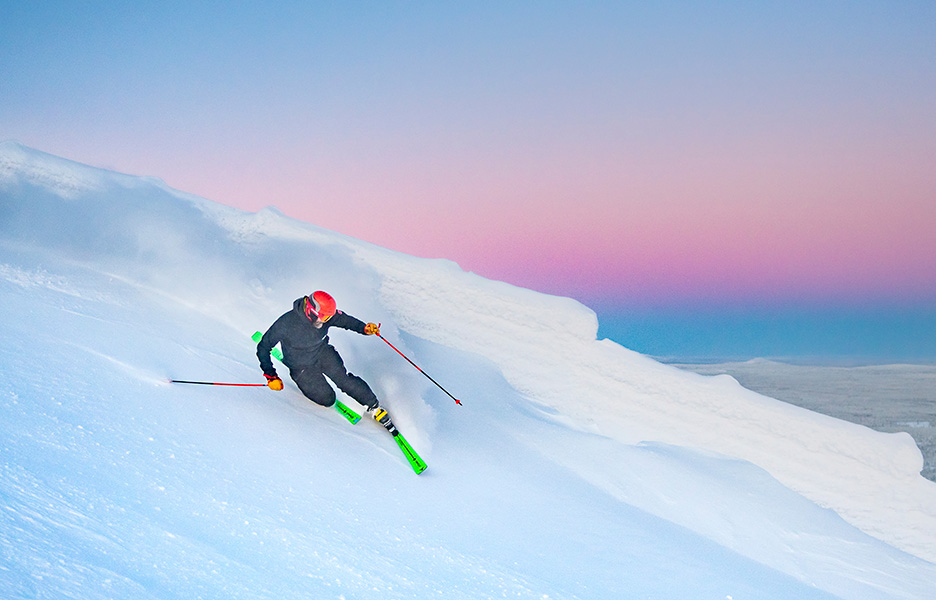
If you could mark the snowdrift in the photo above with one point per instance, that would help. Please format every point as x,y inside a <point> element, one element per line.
<point>575,469</point>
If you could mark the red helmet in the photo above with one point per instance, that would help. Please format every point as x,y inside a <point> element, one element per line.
<point>320,304</point>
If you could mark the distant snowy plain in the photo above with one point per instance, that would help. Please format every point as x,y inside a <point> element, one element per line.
<point>575,469</point>
<point>888,397</point>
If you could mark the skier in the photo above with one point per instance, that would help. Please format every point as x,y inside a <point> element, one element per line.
<point>303,337</point>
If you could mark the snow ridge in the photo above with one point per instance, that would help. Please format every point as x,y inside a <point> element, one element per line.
<point>576,469</point>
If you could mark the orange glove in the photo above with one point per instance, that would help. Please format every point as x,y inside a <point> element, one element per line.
<point>372,329</point>
<point>275,383</point>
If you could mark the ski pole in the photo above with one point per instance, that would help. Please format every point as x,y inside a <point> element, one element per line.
<point>216,383</point>
<point>457,401</point>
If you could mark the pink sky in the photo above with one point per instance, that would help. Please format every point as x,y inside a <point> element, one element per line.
<point>637,152</point>
<point>755,220</point>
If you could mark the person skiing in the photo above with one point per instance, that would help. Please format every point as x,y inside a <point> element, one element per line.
<point>303,337</point>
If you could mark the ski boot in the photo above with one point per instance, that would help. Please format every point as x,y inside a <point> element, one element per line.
<point>383,417</point>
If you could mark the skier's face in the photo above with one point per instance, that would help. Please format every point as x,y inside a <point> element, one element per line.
<point>313,316</point>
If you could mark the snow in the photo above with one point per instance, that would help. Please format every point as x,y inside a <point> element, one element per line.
<point>575,469</point>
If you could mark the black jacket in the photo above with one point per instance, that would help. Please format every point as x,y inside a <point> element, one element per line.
<point>299,339</point>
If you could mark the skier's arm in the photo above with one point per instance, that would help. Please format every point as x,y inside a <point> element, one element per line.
<point>264,347</point>
<point>346,321</point>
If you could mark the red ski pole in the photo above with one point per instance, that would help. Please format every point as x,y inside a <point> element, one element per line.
<point>216,383</point>
<point>457,401</point>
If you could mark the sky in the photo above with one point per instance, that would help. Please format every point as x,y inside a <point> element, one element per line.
<point>692,171</point>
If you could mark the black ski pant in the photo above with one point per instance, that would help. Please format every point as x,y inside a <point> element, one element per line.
<point>328,363</point>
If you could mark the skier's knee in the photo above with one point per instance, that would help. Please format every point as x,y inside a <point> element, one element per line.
<point>323,398</point>
<point>314,387</point>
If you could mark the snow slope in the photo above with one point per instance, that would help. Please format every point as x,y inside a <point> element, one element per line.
<point>575,469</point>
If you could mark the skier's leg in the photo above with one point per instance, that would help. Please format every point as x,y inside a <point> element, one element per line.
<point>331,364</point>
<point>313,384</point>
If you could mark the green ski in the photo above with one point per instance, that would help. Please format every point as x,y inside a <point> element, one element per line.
<point>345,412</point>
<point>415,461</point>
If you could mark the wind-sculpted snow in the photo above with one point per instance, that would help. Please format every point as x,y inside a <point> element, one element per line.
<point>575,469</point>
